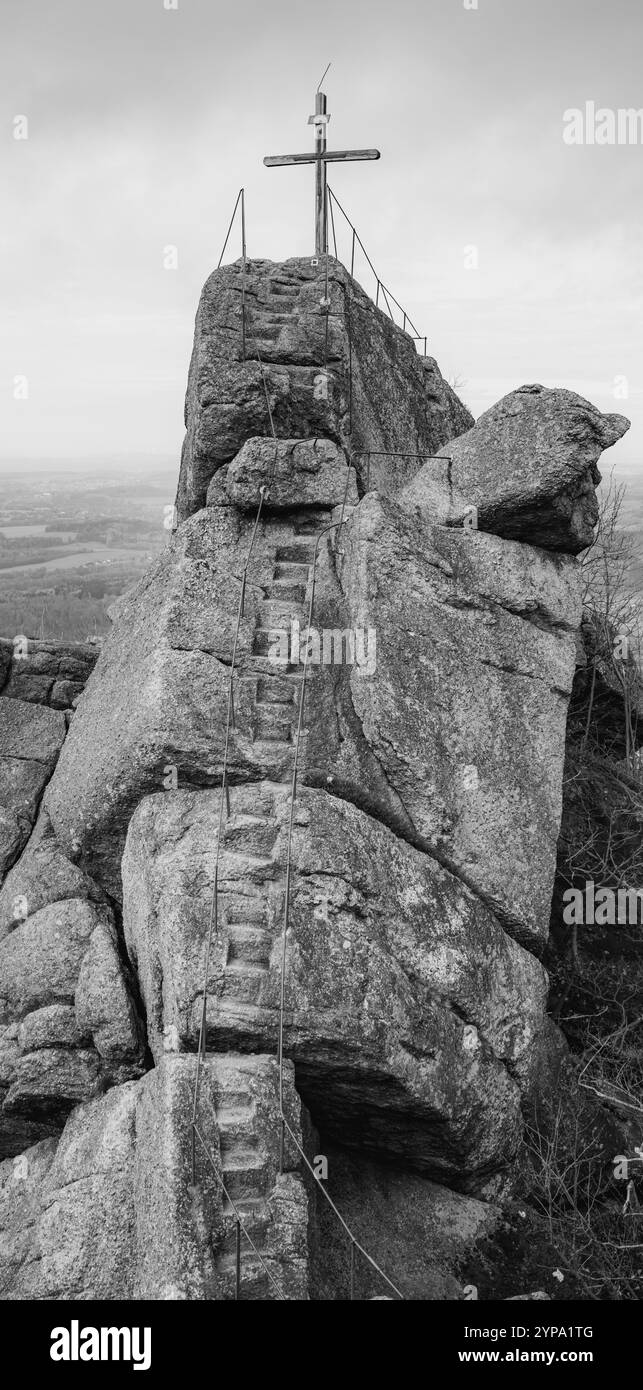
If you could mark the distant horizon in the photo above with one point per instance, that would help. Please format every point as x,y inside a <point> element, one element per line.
<point>624,470</point>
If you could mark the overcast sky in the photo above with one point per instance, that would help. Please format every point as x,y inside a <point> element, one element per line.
<point>145,121</point>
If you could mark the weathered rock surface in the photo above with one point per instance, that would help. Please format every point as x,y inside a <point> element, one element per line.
<point>399,402</point>
<point>68,1023</point>
<point>30,741</point>
<point>42,875</point>
<point>6,654</point>
<point>529,466</point>
<point>476,646</point>
<point>411,1017</point>
<point>158,698</point>
<point>47,673</point>
<point>475,642</point>
<point>110,1211</point>
<point>313,469</point>
<point>417,1232</point>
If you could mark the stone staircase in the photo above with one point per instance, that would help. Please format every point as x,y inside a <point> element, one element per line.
<point>245,1096</point>
<point>249,906</point>
<point>275,705</point>
<point>243,999</point>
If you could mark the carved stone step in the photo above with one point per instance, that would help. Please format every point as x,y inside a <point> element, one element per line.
<point>256,838</point>
<point>277,690</point>
<point>297,552</point>
<point>283,591</point>
<point>244,982</point>
<point>235,1124</point>
<point>291,572</point>
<point>244,909</point>
<point>272,727</point>
<point>250,943</point>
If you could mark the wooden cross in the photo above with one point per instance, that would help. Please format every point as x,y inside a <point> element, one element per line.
<point>321,157</point>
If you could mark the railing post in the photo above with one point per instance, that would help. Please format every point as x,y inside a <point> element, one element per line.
<point>377,297</point>
<point>243,276</point>
<point>353,253</point>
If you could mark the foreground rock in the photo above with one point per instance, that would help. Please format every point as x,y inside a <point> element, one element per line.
<point>399,402</point>
<point>43,875</point>
<point>529,466</point>
<point>110,1211</point>
<point>68,1025</point>
<point>290,470</point>
<point>30,741</point>
<point>411,1017</point>
<point>47,673</point>
<point>476,644</point>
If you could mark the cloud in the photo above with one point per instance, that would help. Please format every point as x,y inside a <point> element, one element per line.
<point>145,122</point>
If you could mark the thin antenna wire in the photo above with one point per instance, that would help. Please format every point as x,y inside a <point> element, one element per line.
<point>323,76</point>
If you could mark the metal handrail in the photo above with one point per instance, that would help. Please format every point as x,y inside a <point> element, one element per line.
<point>241,198</point>
<point>406,318</point>
<point>355,1244</point>
<point>395,454</point>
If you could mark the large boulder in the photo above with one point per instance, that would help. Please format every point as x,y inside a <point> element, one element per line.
<point>154,712</point>
<point>473,640</point>
<point>110,1211</point>
<point>68,1020</point>
<point>289,471</point>
<point>413,1020</point>
<point>529,467</point>
<point>374,395</point>
<point>30,741</point>
<point>49,673</point>
<point>476,646</point>
<point>42,875</point>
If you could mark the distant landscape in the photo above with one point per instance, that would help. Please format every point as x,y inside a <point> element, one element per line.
<point>72,540</point>
<point>632,517</point>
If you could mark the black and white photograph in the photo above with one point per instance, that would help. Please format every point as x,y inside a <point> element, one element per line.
<point>321,672</point>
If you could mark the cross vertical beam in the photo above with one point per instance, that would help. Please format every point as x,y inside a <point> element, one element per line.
<point>321,212</point>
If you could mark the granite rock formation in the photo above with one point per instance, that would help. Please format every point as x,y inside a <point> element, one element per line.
<point>529,467</point>
<point>419,849</point>
<point>46,673</point>
<point>373,392</point>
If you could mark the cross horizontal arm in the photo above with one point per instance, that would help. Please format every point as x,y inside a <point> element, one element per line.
<point>325,157</point>
<point>271,160</point>
<point>334,155</point>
